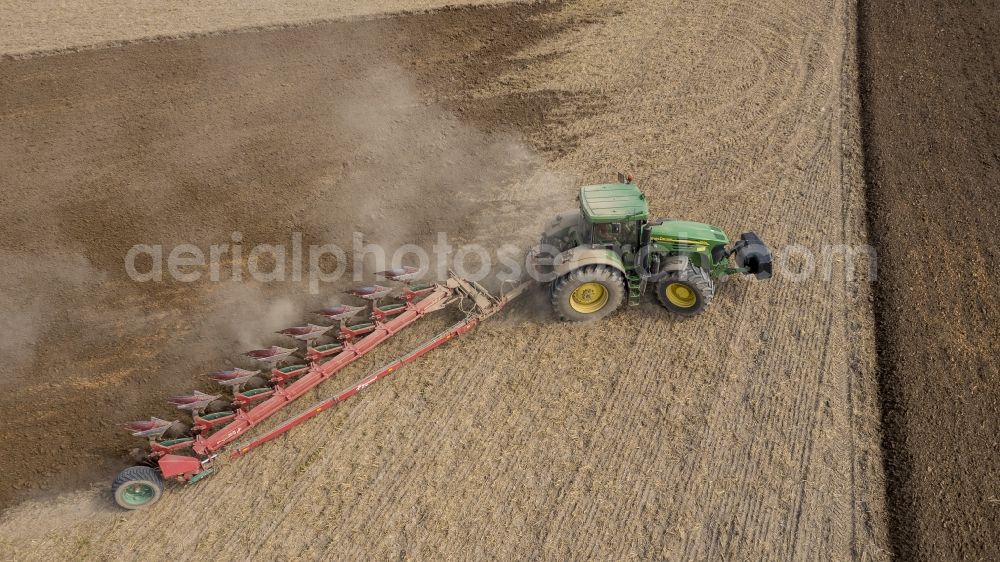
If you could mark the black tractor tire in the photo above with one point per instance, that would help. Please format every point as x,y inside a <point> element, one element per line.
<point>541,272</point>
<point>137,487</point>
<point>588,293</point>
<point>686,292</point>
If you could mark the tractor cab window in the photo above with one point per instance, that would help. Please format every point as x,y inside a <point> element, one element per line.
<point>616,234</point>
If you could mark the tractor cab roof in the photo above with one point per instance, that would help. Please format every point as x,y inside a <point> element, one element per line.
<point>613,202</point>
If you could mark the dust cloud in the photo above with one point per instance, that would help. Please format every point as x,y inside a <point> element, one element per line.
<point>394,168</point>
<point>414,169</point>
<point>36,292</point>
<point>402,172</point>
<point>191,153</point>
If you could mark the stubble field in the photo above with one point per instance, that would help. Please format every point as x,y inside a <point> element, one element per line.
<point>747,432</point>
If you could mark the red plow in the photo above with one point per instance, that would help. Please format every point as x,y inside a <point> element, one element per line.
<point>187,452</point>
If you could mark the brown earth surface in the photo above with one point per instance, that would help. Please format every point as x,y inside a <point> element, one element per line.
<point>931,82</point>
<point>748,432</point>
<point>40,27</point>
<point>188,151</point>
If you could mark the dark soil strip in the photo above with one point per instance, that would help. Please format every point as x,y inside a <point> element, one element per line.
<point>929,90</point>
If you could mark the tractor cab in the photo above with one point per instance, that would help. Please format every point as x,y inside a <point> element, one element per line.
<point>614,215</point>
<point>611,216</point>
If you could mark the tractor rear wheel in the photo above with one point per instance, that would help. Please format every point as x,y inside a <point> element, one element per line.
<point>687,292</point>
<point>137,487</point>
<point>589,293</point>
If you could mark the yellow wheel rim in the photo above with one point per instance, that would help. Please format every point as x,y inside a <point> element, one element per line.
<point>588,298</point>
<point>681,296</point>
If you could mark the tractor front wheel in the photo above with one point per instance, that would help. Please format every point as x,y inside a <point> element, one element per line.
<point>588,293</point>
<point>137,487</point>
<point>687,292</point>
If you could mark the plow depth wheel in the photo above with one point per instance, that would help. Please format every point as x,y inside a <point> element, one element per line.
<point>137,487</point>
<point>588,293</point>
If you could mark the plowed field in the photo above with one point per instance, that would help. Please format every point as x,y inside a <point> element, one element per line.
<point>932,128</point>
<point>747,432</point>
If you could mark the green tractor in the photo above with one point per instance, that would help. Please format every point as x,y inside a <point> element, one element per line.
<point>609,252</point>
